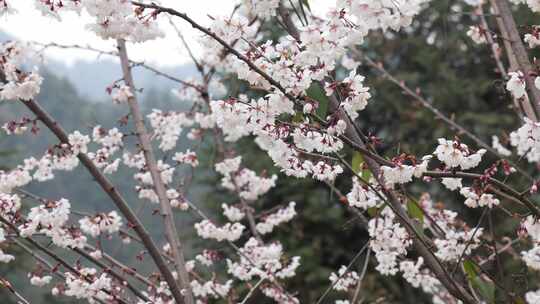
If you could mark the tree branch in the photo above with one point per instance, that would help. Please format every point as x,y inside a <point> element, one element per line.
<point>151,165</point>
<point>113,193</point>
<point>517,55</point>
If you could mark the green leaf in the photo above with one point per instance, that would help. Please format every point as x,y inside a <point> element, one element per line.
<point>366,175</point>
<point>470,269</point>
<point>357,162</point>
<point>298,117</point>
<point>486,289</point>
<point>414,211</point>
<point>519,300</point>
<point>373,211</point>
<point>317,93</point>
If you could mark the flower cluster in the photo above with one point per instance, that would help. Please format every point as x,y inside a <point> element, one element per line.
<point>533,297</point>
<point>477,34</point>
<point>51,219</point>
<point>279,295</point>
<point>344,279</point>
<point>533,38</point>
<point>232,213</point>
<point>455,154</point>
<point>62,157</point>
<point>210,289</point>
<point>78,142</point>
<point>456,237</point>
<point>122,94</point>
<point>532,228</point>
<point>88,285</point>
<point>516,84</point>
<point>207,257</point>
<point>19,127</point>
<point>281,216</point>
<point>4,258</point>
<point>527,140</point>
<point>402,173</point>
<point>101,223</point>
<point>532,257</point>
<point>264,261</point>
<point>230,232</point>
<point>9,204</point>
<point>418,277</point>
<point>17,84</point>
<point>389,240</point>
<point>168,127</point>
<point>40,281</point>
<point>456,242</point>
<point>355,94</point>
<point>474,199</point>
<point>188,158</point>
<point>362,196</point>
<point>177,200</point>
<point>114,19</point>
<point>111,141</point>
<point>144,177</point>
<point>244,181</point>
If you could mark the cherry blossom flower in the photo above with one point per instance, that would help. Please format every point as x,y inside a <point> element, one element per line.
<point>477,35</point>
<point>533,297</point>
<point>40,281</point>
<point>232,213</point>
<point>230,232</point>
<point>516,84</point>
<point>454,154</point>
<point>101,223</point>
<point>496,144</point>
<point>344,279</point>
<point>362,196</point>
<point>275,219</point>
<point>122,95</point>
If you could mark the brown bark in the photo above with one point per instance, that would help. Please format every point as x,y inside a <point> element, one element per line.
<point>151,165</point>
<point>115,196</point>
<point>517,56</point>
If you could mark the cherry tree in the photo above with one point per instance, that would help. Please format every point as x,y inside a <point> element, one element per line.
<point>427,245</point>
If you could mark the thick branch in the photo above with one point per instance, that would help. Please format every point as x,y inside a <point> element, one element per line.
<point>113,193</point>
<point>151,165</point>
<point>517,55</point>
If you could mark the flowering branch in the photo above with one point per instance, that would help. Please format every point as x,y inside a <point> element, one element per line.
<point>518,57</point>
<point>151,164</point>
<point>428,105</point>
<point>113,193</point>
